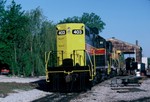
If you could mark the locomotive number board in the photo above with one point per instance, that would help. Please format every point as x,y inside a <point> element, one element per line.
<point>77,31</point>
<point>61,32</point>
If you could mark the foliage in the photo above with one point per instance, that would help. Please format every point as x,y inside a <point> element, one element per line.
<point>42,33</point>
<point>13,33</point>
<point>24,37</point>
<point>2,10</point>
<point>91,20</point>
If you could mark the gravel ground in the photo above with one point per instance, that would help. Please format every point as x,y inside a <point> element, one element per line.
<point>20,95</point>
<point>19,80</point>
<point>24,96</point>
<point>102,92</point>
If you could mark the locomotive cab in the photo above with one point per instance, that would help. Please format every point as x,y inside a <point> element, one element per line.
<point>70,39</point>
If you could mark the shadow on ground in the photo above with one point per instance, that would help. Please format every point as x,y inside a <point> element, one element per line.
<point>44,86</point>
<point>145,99</point>
<point>41,85</point>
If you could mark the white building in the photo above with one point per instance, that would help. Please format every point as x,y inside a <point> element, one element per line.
<point>145,61</point>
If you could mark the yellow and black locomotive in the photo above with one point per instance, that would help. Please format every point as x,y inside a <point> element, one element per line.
<point>82,58</point>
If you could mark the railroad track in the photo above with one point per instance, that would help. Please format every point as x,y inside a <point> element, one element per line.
<point>66,97</point>
<point>57,97</point>
<point>54,96</point>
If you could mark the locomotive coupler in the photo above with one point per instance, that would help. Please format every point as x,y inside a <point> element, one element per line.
<point>71,78</point>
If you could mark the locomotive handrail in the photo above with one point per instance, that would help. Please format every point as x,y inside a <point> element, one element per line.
<point>46,63</point>
<point>89,57</point>
<point>84,58</point>
<point>47,58</point>
<point>92,66</point>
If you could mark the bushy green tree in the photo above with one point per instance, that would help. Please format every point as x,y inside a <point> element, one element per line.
<point>13,32</point>
<point>4,48</point>
<point>89,19</point>
<point>24,38</point>
<point>2,10</point>
<point>34,29</point>
<point>42,37</point>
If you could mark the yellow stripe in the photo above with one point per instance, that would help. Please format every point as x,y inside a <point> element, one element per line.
<point>79,71</point>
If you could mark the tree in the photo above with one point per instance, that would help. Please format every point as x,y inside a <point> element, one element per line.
<point>48,35</point>
<point>93,20</point>
<point>24,38</point>
<point>42,35</point>
<point>3,46</point>
<point>13,32</point>
<point>34,29</point>
<point>90,20</point>
<point>2,10</point>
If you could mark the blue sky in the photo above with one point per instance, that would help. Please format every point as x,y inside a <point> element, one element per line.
<point>126,20</point>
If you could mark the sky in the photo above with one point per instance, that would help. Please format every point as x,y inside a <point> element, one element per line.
<point>126,20</point>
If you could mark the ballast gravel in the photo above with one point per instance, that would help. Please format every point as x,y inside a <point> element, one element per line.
<point>21,95</point>
<point>19,79</point>
<point>102,92</point>
<point>24,96</point>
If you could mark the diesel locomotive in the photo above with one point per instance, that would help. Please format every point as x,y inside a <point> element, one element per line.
<point>82,58</point>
